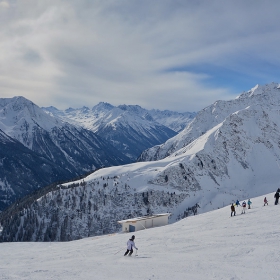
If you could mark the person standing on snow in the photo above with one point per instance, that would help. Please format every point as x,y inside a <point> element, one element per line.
<point>265,202</point>
<point>276,196</point>
<point>130,244</point>
<point>243,207</point>
<point>237,203</point>
<point>249,202</point>
<point>232,210</point>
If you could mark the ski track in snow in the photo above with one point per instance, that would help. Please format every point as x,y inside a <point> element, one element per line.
<point>212,245</point>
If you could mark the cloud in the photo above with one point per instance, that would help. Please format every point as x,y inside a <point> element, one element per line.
<point>158,54</point>
<point>4,5</point>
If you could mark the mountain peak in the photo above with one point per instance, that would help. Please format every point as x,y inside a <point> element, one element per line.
<point>125,107</point>
<point>102,106</point>
<point>20,116</point>
<point>260,90</point>
<point>50,109</point>
<point>69,110</point>
<point>17,101</point>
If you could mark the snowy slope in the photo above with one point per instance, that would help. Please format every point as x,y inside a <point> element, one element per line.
<point>130,128</point>
<point>211,116</point>
<point>208,246</point>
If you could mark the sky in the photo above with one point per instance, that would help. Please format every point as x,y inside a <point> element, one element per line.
<point>163,54</point>
<point>212,245</point>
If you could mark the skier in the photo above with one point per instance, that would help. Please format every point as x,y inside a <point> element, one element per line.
<point>249,202</point>
<point>232,210</point>
<point>244,207</point>
<point>276,196</point>
<point>237,203</point>
<point>130,244</point>
<point>265,202</point>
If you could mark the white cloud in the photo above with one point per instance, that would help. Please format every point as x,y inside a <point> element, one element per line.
<point>75,53</point>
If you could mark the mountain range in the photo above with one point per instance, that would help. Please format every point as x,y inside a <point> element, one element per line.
<point>39,148</point>
<point>230,151</point>
<point>129,128</point>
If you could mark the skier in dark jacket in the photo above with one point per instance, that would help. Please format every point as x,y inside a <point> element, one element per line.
<point>276,196</point>
<point>130,244</point>
<point>232,208</point>
<point>237,203</point>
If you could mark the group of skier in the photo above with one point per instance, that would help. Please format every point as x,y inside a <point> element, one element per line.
<point>249,202</point>
<point>244,205</point>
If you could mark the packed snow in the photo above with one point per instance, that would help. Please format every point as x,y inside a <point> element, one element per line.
<point>212,245</point>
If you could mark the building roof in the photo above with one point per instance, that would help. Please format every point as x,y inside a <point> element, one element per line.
<point>144,218</point>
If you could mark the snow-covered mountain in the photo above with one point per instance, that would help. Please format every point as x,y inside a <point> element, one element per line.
<point>102,112</point>
<point>212,116</point>
<point>129,128</point>
<point>237,158</point>
<point>173,120</point>
<point>74,149</point>
<point>208,246</point>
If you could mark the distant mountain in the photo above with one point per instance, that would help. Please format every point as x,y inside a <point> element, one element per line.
<point>129,128</point>
<point>173,120</point>
<point>74,149</point>
<point>236,157</point>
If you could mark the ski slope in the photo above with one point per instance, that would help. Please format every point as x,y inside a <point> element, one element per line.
<point>212,245</point>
